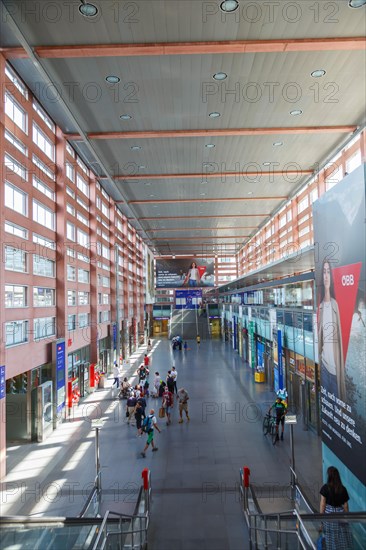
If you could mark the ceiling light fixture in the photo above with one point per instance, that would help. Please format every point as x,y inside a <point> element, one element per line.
<point>228,6</point>
<point>202,194</point>
<point>250,192</point>
<point>266,164</point>
<point>277,144</point>
<point>112,79</point>
<point>88,10</point>
<point>147,183</point>
<point>135,147</point>
<point>220,76</point>
<point>210,145</point>
<point>318,73</point>
<point>141,167</point>
<point>296,112</point>
<point>356,3</point>
<point>125,117</point>
<point>214,115</point>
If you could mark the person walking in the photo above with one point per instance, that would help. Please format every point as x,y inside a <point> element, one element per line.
<point>167,403</point>
<point>151,425</point>
<point>183,404</point>
<point>116,375</point>
<point>170,381</point>
<point>334,499</point>
<point>130,407</point>
<point>139,413</point>
<point>174,375</point>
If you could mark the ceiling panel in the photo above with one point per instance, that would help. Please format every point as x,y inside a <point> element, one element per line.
<point>177,93</point>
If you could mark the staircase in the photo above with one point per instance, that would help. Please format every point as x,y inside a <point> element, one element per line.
<point>187,323</point>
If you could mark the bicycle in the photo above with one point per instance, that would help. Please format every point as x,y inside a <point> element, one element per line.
<point>269,427</point>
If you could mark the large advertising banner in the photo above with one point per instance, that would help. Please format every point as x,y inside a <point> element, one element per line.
<point>195,272</point>
<point>339,236</point>
<point>149,277</point>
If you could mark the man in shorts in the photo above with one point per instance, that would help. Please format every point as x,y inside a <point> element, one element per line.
<point>150,434</point>
<point>183,404</point>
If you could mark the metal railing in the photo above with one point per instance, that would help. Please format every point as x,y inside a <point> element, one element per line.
<point>295,529</point>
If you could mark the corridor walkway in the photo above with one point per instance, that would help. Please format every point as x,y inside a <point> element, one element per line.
<point>195,472</point>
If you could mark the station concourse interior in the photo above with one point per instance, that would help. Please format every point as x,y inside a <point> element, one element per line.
<point>186,180</point>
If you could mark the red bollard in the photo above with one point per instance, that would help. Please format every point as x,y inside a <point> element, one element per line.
<point>246,474</point>
<point>145,477</point>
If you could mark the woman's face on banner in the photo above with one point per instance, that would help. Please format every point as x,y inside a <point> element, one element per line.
<point>326,276</point>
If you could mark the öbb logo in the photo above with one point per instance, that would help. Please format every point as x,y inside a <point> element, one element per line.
<point>348,280</point>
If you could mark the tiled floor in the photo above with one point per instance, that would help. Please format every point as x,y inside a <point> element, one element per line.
<point>195,473</point>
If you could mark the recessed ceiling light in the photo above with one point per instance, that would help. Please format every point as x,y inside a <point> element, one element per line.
<point>318,73</point>
<point>277,144</point>
<point>296,112</point>
<point>214,115</point>
<point>229,6</point>
<point>112,79</point>
<point>202,194</point>
<point>266,164</point>
<point>125,117</point>
<point>250,192</point>
<point>135,147</point>
<point>356,3</point>
<point>152,195</point>
<point>219,76</point>
<point>147,183</point>
<point>210,145</point>
<point>142,167</point>
<point>88,10</point>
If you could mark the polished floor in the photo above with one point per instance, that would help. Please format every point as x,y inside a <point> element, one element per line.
<point>195,472</point>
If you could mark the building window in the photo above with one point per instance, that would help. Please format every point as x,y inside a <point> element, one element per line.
<point>17,230</point>
<point>82,165</point>
<point>71,322</point>
<point>71,273</point>
<point>42,241</point>
<point>106,299</point>
<point>43,266</point>
<point>105,209</point>
<point>71,297</point>
<point>82,219</point>
<point>43,142</point>
<point>16,142</point>
<point>15,199</point>
<point>83,298</point>
<point>46,119</point>
<point>15,259</point>
<point>83,238</point>
<point>106,281</point>
<point>70,210</point>
<point>303,204</point>
<point>15,80</point>
<point>70,150</point>
<point>15,112</point>
<point>43,167</point>
<point>43,188</point>
<point>44,327</point>
<point>43,215</point>
<point>15,296</point>
<point>15,167</point>
<point>105,316</point>
<point>83,276</point>
<point>83,320</point>
<point>70,231</point>
<point>82,185</point>
<point>105,252</point>
<point>82,203</point>
<point>44,297</point>
<point>70,172</point>
<point>70,192</point>
<point>16,332</point>
<point>354,162</point>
